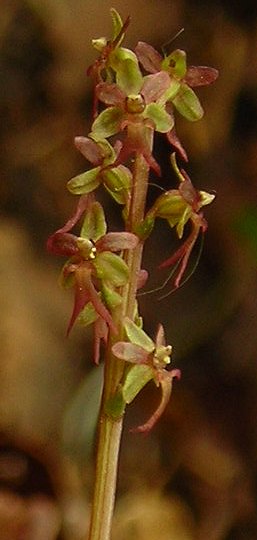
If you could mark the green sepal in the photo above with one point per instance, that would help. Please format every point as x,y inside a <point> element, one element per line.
<point>182,222</point>
<point>188,104</point>
<point>119,55</point>
<point>144,229</point>
<point>107,123</point>
<point>170,205</point>
<point>99,43</point>
<point>163,122</point>
<point>115,406</point>
<point>176,167</point>
<point>137,377</point>
<point>170,93</point>
<point>117,181</point>
<point>116,22</point>
<point>176,64</point>
<point>85,182</point>
<point>206,198</point>
<point>94,225</point>
<point>137,336</point>
<point>129,77</point>
<point>88,315</point>
<point>107,150</point>
<point>111,298</point>
<point>111,268</point>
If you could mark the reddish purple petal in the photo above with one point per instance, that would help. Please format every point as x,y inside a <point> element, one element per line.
<point>165,380</point>
<point>155,85</point>
<point>85,292</point>
<point>189,193</point>
<point>160,337</point>
<point>148,57</point>
<point>117,241</point>
<point>130,352</point>
<point>110,94</point>
<point>89,149</point>
<point>200,75</point>
<point>122,31</point>
<point>183,253</point>
<point>81,298</point>
<point>152,162</point>
<point>97,303</point>
<point>61,243</point>
<point>174,140</point>
<point>81,207</point>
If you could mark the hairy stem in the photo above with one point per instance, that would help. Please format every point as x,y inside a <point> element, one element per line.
<point>110,428</point>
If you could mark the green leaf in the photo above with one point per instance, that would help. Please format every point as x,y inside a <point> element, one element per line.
<point>107,123</point>
<point>162,120</point>
<point>137,377</point>
<point>111,268</point>
<point>138,336</point>
<point>129,77</point>
<point>94,225</point>
<point>188,104</point>
<point>85,182</point>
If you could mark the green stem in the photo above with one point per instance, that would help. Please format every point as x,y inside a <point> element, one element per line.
<point>110,429</point>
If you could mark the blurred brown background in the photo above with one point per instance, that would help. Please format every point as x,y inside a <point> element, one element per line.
<point>195,475</point>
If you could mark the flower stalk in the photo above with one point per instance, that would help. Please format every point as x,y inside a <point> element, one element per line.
<point>110,429</point>
<point>136,94</point>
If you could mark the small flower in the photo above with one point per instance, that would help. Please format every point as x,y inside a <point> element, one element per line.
<point>116,179</point>
<point>178,207</point>
<point>94,269</point>
<point>108,48</point>
<point>182,80</point>
<point>133,102</point>
<point>151,359</point>
<point>110,51</point>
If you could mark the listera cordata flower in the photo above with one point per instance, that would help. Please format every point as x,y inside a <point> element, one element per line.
<point>132,104</point>
<point>178,207</point>
<point>94,269</point>
<point>182,79</point>
<point>101,154</point>
<point>150,359</point>
<point>110,51</point>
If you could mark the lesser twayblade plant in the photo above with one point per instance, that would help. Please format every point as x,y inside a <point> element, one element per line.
<point>136,94</point>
